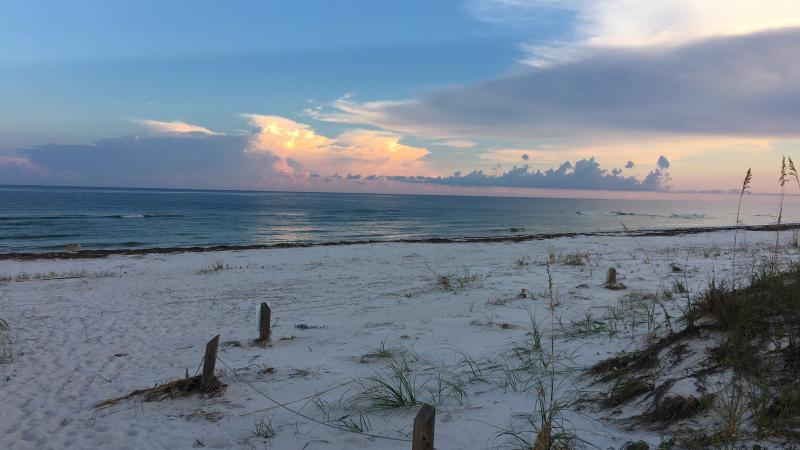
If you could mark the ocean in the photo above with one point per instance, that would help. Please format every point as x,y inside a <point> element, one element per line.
<point>42,219</point>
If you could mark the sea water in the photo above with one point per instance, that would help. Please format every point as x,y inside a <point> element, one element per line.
<point>40,219</point>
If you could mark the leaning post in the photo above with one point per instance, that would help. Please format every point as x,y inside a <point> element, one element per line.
<point>208,381</point>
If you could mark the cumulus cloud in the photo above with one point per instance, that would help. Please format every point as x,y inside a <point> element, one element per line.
<point>629,165</point>
<point>583,174</point>
<point>525,157</point>
<point>746,85</point>
<point>301,150</point>
<point>174,128</point>
<point>663,162</point>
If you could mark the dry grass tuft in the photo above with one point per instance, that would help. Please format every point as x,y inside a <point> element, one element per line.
<point>170,390</point>
<point>748,176</point>
<point>216,267</point>
<point>24,276</point>
<point>626,389</point>
<point>677,407</point>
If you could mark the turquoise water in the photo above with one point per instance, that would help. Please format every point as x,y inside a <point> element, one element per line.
<point>48,218</point>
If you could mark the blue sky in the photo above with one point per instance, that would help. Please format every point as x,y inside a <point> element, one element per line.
<point>396,90</point>
<point>83,67</point>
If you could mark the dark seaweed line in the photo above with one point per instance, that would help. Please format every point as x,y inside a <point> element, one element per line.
<point>85,254</point>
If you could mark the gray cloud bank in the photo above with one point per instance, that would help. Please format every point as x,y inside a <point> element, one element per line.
<point>747,85</point>
<point>195,161</point>
<point>222,162</point>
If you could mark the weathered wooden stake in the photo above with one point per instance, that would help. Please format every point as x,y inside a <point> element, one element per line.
<point>208,380</point>
<point>264,316</point>
<point>611,278</point>
<point>423,428</point>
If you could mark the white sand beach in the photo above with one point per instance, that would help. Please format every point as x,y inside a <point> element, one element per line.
<point>105,327</point>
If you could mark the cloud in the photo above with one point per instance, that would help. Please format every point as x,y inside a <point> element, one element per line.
<point>746,86</point>
<point>633,23</point>
<point>223,162</point>
<point>301,150</point>
<point>585,174</point>
<point>18,162</point>
<point>283,154</point>
<point>174,128</point>
<point>20,170</point>
<point>164,161</point>
<point>370,151</point>
<point>510,155</point>
<point>279,153</point>
<point>457,143</point>
<point>663,162</point>
<point>629,165</point>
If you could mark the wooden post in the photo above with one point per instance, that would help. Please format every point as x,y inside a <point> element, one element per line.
<point>264,316</point>
<point>611,278</point>
<point>208,380</point>
<point>423,428</point>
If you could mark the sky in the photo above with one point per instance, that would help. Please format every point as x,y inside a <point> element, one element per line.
<point>461,96</point>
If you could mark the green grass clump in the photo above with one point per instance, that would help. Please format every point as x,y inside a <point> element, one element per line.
<point>458,280</point>
<point>395,387</point>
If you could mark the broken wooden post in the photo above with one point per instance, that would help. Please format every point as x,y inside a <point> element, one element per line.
<point>611,278</point>
<point>264,316</point>
<point>423,428</point>
<point>208,381</point>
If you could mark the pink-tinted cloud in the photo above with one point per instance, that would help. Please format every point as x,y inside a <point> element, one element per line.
<point>175,128</point>
<point>23,165</point>
<point>459,143</point>
<point>300,150</point>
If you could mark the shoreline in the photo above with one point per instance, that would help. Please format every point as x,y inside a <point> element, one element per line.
<point>102,253</point>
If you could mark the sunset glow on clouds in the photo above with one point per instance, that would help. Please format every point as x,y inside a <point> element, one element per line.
<point>518,93</point>
<point>303,151</point>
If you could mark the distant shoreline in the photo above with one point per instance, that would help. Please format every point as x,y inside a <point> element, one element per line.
<point>102,253</point>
